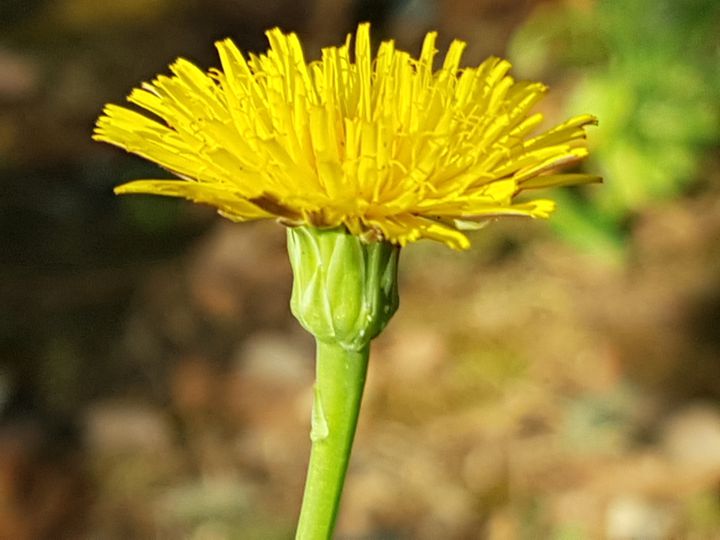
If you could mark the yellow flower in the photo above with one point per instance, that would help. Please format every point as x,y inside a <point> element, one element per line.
<point>386,147</point>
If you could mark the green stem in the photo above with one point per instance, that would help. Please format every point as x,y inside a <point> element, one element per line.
<point>340,380</point>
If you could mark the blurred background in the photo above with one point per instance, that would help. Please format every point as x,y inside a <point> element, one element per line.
<point>560,380</point>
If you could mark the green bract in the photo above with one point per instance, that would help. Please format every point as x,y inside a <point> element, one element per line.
<point>345,289</point>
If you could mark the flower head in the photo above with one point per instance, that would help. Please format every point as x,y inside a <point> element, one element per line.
<point>389,147</point>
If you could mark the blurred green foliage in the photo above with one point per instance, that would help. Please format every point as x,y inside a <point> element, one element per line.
<point>649,69</point>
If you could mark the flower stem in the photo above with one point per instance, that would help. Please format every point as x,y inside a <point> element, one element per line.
<point>339,384</point>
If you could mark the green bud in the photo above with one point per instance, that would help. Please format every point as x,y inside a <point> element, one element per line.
<point>345,290</point>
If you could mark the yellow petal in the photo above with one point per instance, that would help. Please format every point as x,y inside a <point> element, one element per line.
<point>385,146</point>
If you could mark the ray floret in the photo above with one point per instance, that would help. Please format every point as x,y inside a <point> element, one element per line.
<point>386,146</point>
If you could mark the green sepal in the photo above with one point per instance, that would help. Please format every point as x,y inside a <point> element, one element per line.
<point>344,289</point>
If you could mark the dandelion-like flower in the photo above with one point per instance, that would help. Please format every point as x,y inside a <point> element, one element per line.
<point>359,156</point>
<point>388,148</point>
